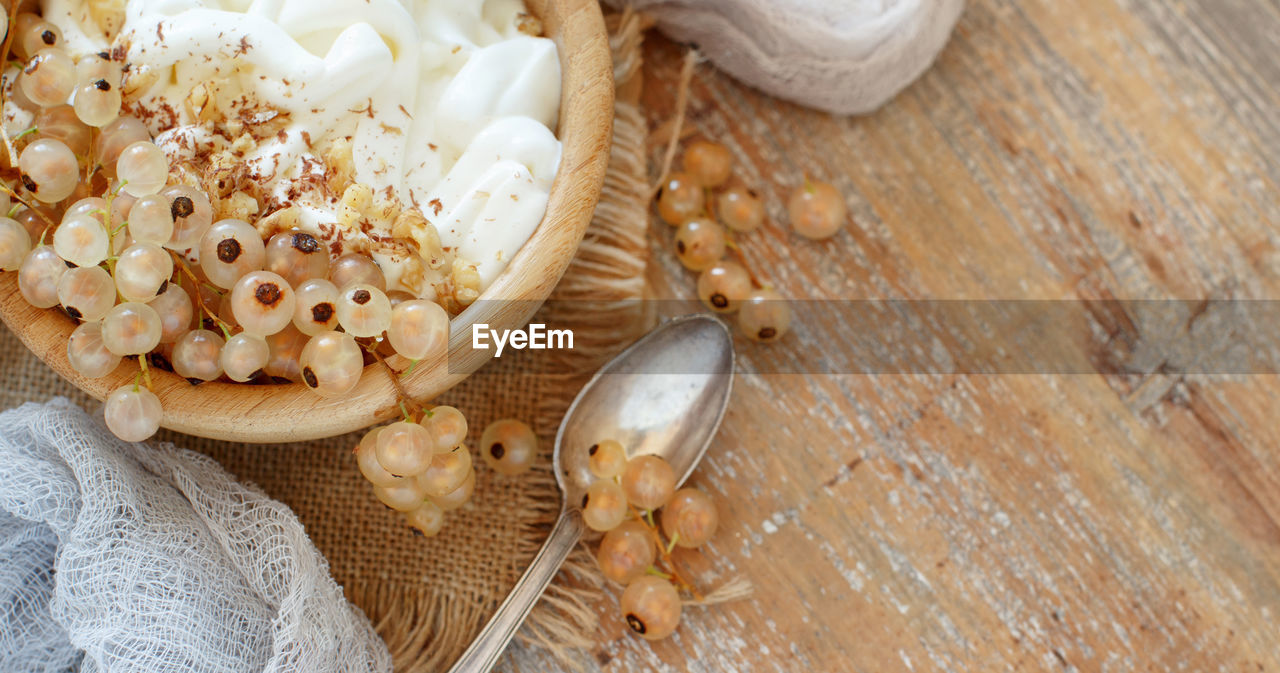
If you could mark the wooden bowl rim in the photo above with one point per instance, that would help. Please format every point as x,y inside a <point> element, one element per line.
<point>292,412</point>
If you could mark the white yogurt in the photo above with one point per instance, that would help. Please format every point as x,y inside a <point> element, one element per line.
<point>445,102</point>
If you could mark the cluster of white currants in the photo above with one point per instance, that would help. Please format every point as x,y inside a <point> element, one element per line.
<point>633,551</point>
<point>423,468</point>
<point>98,229</point>
<point>704,218</point>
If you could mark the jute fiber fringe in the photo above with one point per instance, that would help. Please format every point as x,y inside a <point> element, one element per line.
<point>429,597</point>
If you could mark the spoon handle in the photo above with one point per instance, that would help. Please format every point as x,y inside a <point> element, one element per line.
<point>489,645</point>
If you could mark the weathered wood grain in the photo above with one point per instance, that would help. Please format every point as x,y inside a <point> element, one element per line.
<point>1124,520</point>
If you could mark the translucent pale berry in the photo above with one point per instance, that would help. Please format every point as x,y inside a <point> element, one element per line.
<point>93,67</point>
<point>49,170</point>
<point>142,168</point>
<point>690,518</point>
<point>446,473</point>
<point>121,208</point>
<point>363,310</point>
<point>764,316</point>
<point>403,497</point>
<point>228,250</point>
<point>19,99</point>
<point>367,460</point>
<point>32,33</point>
<point>604,506</point>
<point>131,328</point>
<point>49,77</point>
<point>86,293</point>
<point>396,297</point>
<point>88,354</point>
<point>606,459</point>
<point>38,276</point>
<point>723,286</point>
<point>626,552</point>
<point>93,206</point>
<point>331,363</point>
<point>817,210</point>
<point>286,351</point>
<point>175,310</point>
<point>316,308</point>
<point>740,209</point>
<point>97,103</point>
<point>35,222</point>
<point>82,240</point>
<point>427,519</point>
<point>708,163</point>
<point>509,446</point>
<point>419,328</point>
<point>448,427</point>
<point>15,244</point>
<point>651,607</point>
<point>297,256</point>
<point>680,199</point>
<point>142,271</point>
<point>244,356</point>
<point>648,482</point>
<point>356,268</point>
<point>61,123</point>
<point>192,215</point>
<point>150,220</point>
<point>197,355</point>
<point>405,449</point>
<point>133,414</point>
<point>262,303</point>
<point>112,140</point>
<point>699,244</point>
<point>458,496</point>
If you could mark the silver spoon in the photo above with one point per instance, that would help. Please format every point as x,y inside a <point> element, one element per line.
<point>665,395</point>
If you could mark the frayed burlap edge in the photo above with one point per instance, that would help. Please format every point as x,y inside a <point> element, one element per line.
<point>427,631</point>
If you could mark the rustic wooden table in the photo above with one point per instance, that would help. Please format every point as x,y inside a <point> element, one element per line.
<point>1123,519</point>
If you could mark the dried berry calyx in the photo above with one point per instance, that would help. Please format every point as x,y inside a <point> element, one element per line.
<point>267,294</point>
<point>182,207</point>
<point>304,242</point>
<point>229,250</point>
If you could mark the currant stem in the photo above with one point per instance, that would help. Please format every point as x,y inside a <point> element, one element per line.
<point>14,195</point>
<point>651,570</point>
<point>667,562</point>
<point>186,270</point>
<point>142,369</point>
<point>400,391</point>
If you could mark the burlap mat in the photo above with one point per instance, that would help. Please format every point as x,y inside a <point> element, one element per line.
<point>429,597</point>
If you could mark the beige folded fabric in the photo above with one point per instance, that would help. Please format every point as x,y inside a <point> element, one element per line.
<point>843,56</point>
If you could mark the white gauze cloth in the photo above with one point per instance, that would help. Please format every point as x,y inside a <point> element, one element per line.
<point>132,557</point>
<point>842,56</point>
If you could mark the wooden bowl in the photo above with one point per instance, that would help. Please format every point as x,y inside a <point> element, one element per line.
<point>291,412</point>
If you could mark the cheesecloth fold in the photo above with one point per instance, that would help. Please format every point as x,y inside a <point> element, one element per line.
<point>131,557</point>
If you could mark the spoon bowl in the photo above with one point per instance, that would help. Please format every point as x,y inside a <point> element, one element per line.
<point>664,395</point>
